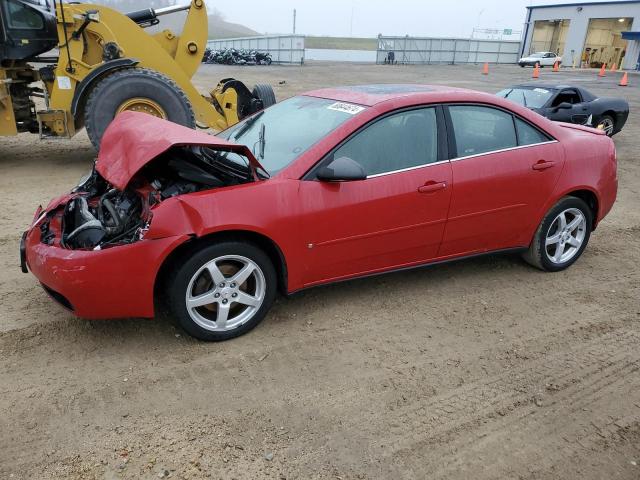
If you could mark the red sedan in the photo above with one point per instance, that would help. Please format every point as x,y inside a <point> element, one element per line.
<point>322,187</point>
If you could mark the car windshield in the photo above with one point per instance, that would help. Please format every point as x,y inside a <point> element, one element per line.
<point>280,134</point>
<point>527,97</point>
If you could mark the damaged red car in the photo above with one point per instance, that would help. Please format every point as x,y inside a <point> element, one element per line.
<point>322,187</point>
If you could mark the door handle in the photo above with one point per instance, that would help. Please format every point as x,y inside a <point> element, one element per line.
<point>431,187</point>
<point>543,165</point>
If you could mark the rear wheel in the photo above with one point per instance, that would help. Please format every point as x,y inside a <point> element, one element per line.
<point>223,290</point>
<point>562,236</point>
<point>608,125</point>
<point>138,90</point>
<point>266,94</point>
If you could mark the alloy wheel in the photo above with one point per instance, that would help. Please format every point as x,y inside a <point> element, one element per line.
<point>565,235</point>
<point>225,293</point>
<point>607,126</point>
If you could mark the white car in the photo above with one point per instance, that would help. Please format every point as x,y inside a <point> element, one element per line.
<point>544,59</point>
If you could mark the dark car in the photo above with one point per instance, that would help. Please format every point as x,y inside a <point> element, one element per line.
<point>571,104</point>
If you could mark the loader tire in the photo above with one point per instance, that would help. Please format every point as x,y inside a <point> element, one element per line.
<point>266,94</point>
<point>137,89</point>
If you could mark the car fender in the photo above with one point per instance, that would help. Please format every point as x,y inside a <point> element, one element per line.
<point>202,214</point>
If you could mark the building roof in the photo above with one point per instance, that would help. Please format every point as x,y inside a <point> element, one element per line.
<point>584,4</point>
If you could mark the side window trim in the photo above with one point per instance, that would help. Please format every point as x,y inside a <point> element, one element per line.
<point>453,148</point>
<point>442,154</point>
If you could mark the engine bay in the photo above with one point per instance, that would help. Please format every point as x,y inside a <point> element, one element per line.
<point>99,216</point>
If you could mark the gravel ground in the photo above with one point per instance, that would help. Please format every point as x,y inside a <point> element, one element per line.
<point>479,369</point>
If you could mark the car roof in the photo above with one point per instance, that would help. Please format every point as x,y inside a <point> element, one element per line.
<point>370,95</point>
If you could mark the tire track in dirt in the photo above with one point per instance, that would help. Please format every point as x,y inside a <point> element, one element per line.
<point>439,420</point>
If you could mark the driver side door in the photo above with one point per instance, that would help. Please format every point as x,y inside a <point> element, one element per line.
<point>577,113</point>
<point>393,218</point>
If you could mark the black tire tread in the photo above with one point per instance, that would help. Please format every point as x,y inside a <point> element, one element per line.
<point>191,261</point>
<point>534,255</point>
<point>265,93</point>
<point>123,75</point>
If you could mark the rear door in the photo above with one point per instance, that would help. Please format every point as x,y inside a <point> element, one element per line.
<point>504,170</point>
<point>394,218</point>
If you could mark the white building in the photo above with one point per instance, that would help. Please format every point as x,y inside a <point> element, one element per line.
<point>586,34</point>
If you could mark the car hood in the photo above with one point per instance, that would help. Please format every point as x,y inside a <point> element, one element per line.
<point>134,139</point>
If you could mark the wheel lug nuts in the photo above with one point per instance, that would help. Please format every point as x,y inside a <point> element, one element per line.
<point>235,295</point>
<point>221,285</point>
<point>233,285</point>
<point>217,295</point>
<point>225,301</point>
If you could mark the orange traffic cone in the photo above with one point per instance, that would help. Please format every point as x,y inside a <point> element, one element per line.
<point>536,71</point>
<point>614,68</point>
<point>556,67</point>
<point>485,69</point>
<point>625,80</point>
<point>603,70</point>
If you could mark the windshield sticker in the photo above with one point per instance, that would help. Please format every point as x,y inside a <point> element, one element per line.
<point>540,90</point>
<point>346,108</point>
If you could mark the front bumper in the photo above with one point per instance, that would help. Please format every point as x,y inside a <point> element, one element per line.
<point>113,283</point>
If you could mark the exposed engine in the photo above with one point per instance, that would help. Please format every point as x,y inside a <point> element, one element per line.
<point>99,216</point>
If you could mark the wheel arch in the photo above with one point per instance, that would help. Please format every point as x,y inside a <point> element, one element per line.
<point>86,85</point>
<point>266,244</point>
<point>591,199</point>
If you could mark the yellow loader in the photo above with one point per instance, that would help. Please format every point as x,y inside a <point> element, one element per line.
<point>104,63</point>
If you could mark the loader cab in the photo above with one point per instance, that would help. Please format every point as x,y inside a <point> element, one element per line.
<point>27,29</point>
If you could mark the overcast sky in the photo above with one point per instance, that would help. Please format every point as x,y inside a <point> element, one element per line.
<point>371,17</point>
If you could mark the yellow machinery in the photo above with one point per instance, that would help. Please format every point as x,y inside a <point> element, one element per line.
<point>107,63</point>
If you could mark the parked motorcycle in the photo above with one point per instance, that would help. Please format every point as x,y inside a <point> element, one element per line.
<point>232,56</point>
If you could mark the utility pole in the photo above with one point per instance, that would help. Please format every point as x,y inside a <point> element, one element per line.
<point>294,21</point>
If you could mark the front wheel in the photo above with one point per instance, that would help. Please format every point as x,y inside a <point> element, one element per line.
<point>138,90</point>
<point>223,290</point>
<point>562,236</point>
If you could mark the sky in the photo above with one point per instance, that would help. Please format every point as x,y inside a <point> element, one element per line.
<point>368,18</point>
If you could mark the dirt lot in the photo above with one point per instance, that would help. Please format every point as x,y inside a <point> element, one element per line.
<point>479,369</point>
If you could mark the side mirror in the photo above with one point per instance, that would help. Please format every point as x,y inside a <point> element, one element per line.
<point>342,169</point>
<point>564,106</point>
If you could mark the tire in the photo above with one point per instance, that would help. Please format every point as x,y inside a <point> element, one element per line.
<point>545,256</point>
<point>191,279</point>
<point>114,90</point>
<point>609,123</point>
<point>266,94</point>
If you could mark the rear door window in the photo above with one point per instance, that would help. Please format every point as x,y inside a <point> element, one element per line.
<point>529,135</point>
<point>480,129</point>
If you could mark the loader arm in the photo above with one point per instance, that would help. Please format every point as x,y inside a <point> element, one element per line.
<point>108,63</point>
<point>133,42</point>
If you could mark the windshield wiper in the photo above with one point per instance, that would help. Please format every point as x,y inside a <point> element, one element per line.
<point>247,125</point>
